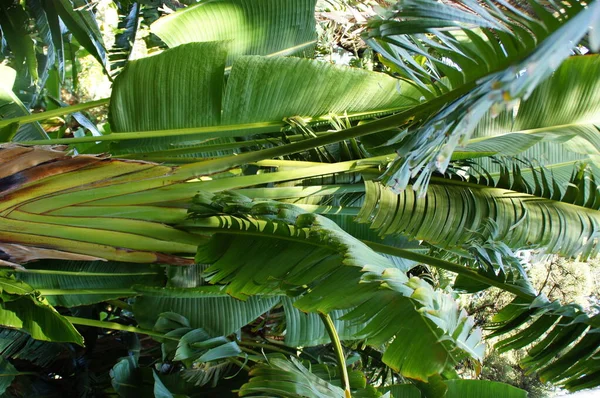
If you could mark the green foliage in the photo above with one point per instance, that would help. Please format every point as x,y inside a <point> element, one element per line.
<point>298,304</point>
<point>259,27</point>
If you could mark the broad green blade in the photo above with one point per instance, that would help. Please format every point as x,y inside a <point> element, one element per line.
<point>449,215</point>
<point>77,280</point>
<point>21,346</point>
<point>21,309</point>
<point>11,107</point>
<point>307,89</point>
<point>205,307</point>
<point>179,88</point>
<point>251,27</point>
<point>307,329</point>
<point>482,388</point>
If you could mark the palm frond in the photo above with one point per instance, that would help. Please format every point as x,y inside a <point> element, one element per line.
<point>430,144</point>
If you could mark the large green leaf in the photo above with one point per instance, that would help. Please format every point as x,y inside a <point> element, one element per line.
<point>257,27</point>
<point>149,97</point>
<point>205,307</point>
<point>10,107</point>
<point>307,88</point>
<point>341,272</point>
<point>307,329</point>
<point>290,378</point>
<point>21,346</point>
<point>452,214</point>
<point>179,88</point>
<point>73,279</point>
<point>461,389</point>
<point>22,309</point>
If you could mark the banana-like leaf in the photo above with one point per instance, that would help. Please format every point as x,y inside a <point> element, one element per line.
<point>180,88</point>
<point>205,307</point>
<point>22,309</point>
<point>308,89</point>
<point>563,341</point>
<point>451,214</point>
<point>341,272</point>
<point>251,27</point>
<point>461,389</point>
<point>148,97</point>
<point>76,281</point>
<point>282,377</point>
<point>7,374</point>
<point>18,345</point>
<point>10,107</point>
<point>14,21</point>
<point>307,329</point>
<point>78,17</point>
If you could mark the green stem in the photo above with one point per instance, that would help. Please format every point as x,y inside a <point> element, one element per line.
<point>36,117</point>
<point>239,363</point>
<point>81,273</point>
<point>268,346</point>
<point>65,292</point>
<point>339,352</point>
<point>224,163</point>
<point>210,132</point>
<point>447,265</point>
<point>116,326</point>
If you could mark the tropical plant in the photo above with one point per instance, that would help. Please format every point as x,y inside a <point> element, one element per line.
<point>269,221</point>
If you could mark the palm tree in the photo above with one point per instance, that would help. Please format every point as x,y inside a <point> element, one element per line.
<point>287,191</point>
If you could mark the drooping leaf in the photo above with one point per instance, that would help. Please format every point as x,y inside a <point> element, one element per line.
<point>257,27</point>
<point>205,307</point>
<point>10,107</point>
<point>7,374</point>
<point>14,21</point>
<point>22,309</point>
<point>75,278</point>
<point>79,18</point>
<point>21,346</point>
<point>329,269</point>
<point>523,221</point>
